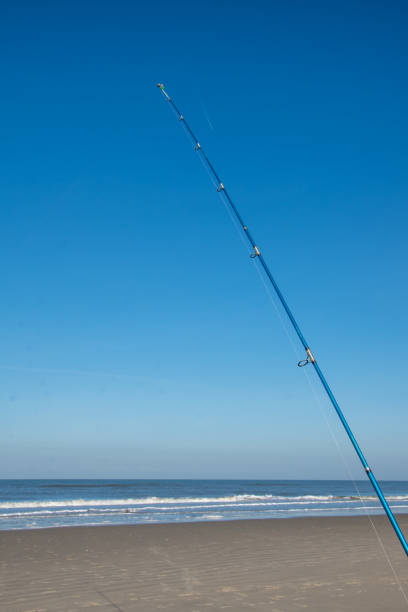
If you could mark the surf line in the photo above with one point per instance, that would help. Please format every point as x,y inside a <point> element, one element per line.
<point>256,253</point>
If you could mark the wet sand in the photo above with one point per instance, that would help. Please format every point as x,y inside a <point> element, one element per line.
<point>314,564</point>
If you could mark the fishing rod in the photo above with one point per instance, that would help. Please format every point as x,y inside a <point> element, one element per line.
<point>256,253</point>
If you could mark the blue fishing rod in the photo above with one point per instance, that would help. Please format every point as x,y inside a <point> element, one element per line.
<point>256,253</point>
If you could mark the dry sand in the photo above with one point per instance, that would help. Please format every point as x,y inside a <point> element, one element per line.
<point>313,564</point>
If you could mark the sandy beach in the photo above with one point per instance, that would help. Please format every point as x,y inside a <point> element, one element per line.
<point>320,564</point>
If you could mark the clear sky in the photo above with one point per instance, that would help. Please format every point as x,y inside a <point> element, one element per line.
<point>136,337</point>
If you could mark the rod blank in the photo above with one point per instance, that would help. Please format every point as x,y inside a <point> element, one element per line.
<point>309,355</point>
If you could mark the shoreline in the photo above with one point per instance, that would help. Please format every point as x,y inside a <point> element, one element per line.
<point>400,517</point>
<point>330,564</point>
<point>47,503</point>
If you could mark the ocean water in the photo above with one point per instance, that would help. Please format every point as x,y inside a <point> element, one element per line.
<point>32,504</point>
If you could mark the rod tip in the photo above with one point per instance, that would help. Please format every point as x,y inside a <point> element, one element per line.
<point>160,85</point>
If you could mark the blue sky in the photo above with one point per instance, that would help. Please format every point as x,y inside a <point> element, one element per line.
<point>137,339</point>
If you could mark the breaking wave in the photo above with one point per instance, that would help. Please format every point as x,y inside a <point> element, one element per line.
<point>24,505</point>
<point>231,499</point>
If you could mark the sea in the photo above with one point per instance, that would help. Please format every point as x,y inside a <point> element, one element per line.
<point>34,504</point>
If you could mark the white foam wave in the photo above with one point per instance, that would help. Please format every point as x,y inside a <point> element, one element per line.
<point>211,517</point>
<point>169,503</point>
<point>154,500</point>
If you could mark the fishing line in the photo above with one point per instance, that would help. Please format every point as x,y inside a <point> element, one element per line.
<point>295,349</point>
<point>235,224</point>
<point>312,385</point>
<point>347,469</point>
<point>310,359</point>
<point>285,327</point>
